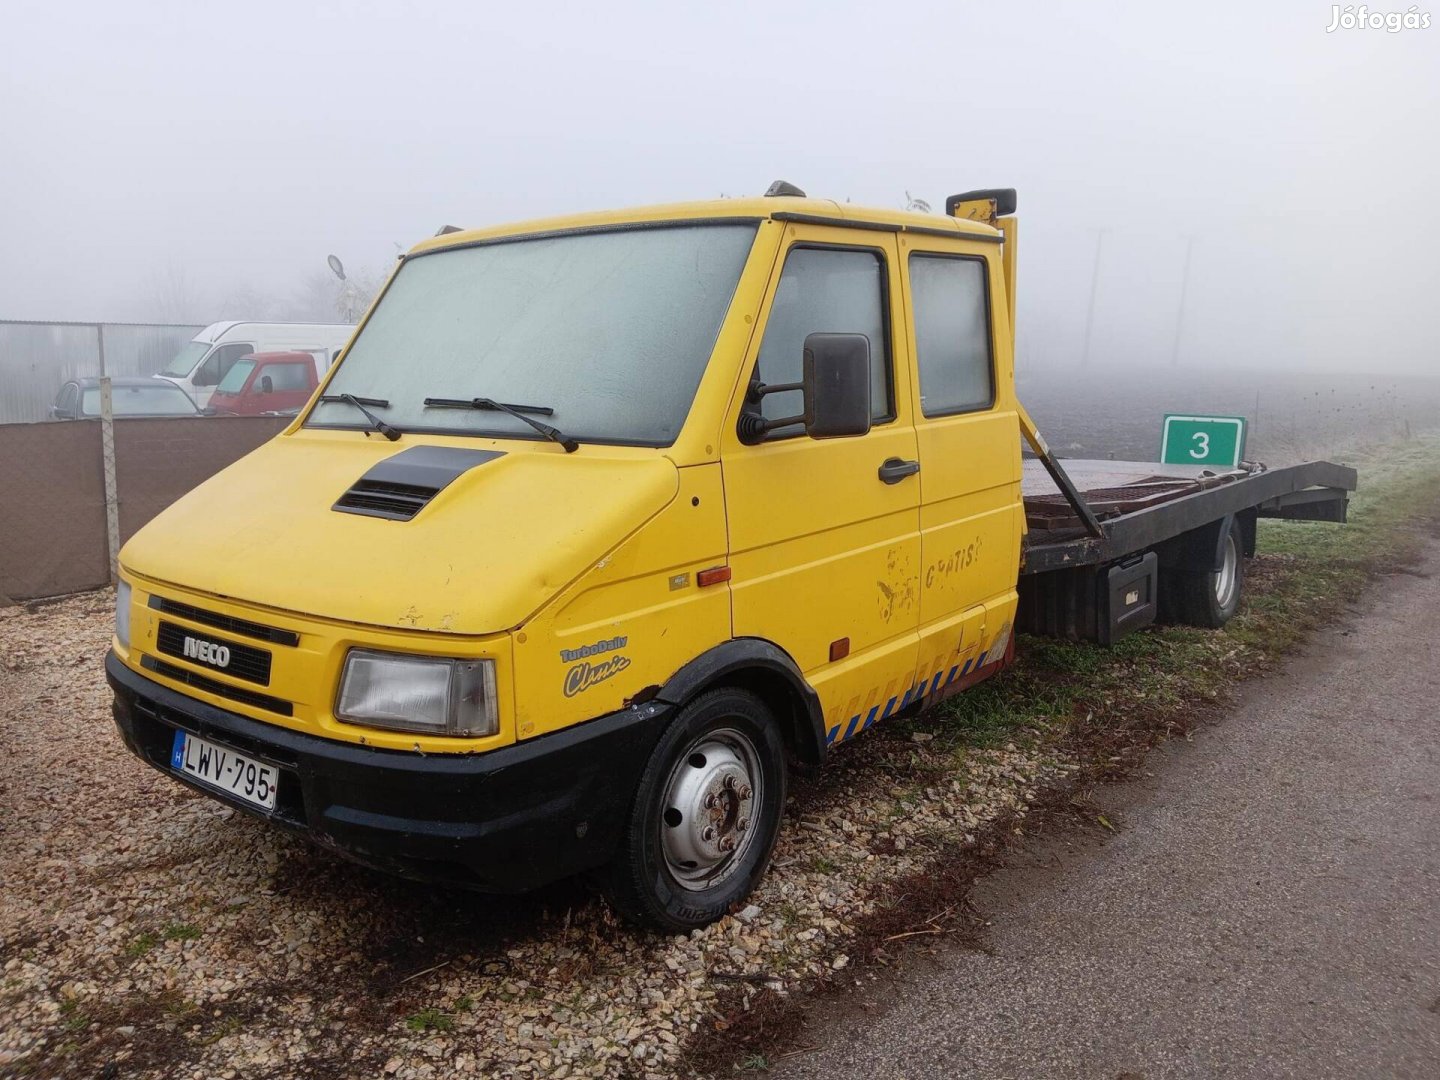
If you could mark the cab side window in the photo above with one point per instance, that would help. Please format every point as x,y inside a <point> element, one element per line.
<point>952,334</point>
<point>219,363</point>
<point>825,290</point>
<point>287,376</point>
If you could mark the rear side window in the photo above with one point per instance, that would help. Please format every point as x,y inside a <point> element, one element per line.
<point>952,334</point>
<point>162,399</point>
<point>286,376</point>
<point>824,290</point>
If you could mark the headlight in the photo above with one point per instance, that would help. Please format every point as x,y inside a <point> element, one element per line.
<point>122,614</point>
<point>416,693</point>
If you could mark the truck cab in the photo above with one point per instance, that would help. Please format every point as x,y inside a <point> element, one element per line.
<point>274,382</point>
<point>599,527</point>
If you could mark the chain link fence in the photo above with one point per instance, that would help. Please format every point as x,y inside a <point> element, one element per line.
<point>52,485</point>
<point>37,358</point>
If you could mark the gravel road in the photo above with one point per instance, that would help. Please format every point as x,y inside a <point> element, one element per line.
<point>1270,905</point>
<point>148,932</point>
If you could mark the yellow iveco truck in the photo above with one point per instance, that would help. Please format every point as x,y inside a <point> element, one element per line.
<point>602,524</point>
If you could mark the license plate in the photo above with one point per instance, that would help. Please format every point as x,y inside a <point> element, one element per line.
<point>225,770</point>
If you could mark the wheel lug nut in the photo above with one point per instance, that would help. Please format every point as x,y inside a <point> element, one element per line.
<point>710,801</point>
<point>729,783</point>
<point>708,834</point>
<point>727,844</point>
<point>742,824</point>
<point>745,791</point>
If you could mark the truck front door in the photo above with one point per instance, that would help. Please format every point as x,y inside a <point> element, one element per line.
<point>971,513</point>
<point>824,551</point>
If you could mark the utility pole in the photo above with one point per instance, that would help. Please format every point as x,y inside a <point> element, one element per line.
<point>1180,310</point>
<point>1094,288</point>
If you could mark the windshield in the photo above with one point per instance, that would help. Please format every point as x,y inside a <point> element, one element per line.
<point>186,359</point>
<point>612,330</point>
<point>162,399</point>
<point>234,380</point>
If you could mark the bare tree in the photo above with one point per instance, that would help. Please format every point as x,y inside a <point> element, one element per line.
<point>172,299</point>
<point>246,301</point>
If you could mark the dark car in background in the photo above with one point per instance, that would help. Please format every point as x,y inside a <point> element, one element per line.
<point>79,399</point>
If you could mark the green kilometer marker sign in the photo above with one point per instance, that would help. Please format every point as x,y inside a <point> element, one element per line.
<point>1216,441</point>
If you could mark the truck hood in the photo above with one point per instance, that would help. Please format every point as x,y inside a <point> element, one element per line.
<point>509,526</point>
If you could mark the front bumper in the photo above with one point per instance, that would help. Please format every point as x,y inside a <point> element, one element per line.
<point>503,821</point>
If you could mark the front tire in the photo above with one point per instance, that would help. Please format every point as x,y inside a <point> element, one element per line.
<point>706,814</point>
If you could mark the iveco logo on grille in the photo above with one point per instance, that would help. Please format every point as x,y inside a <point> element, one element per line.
<point>207,652</point>
<point>235,658</point>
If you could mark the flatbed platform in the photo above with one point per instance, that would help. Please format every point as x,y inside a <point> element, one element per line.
<point>1139,504</point>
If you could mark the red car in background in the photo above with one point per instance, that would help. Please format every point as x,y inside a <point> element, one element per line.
<point>266,383</point>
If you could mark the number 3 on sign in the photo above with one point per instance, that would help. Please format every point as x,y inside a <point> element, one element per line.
<point>1202,440</point>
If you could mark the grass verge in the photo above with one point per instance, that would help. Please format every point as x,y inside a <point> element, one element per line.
<point>1102,710</point>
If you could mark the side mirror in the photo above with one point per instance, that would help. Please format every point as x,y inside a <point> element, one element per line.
<point>837,385</point>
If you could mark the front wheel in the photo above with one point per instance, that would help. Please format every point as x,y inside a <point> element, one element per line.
<point>706,814</point>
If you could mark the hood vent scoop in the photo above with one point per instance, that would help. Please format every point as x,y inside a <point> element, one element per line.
<point>401,486</point>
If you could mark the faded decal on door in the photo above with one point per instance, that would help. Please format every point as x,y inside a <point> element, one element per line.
<point>897,593</point>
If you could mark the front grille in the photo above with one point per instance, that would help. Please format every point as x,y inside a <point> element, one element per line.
<point>242,627</point>
<point>245,661</point>
<point>378,498</point>
<point>219,689</point>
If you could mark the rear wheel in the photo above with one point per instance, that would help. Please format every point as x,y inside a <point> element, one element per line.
<point>1205,597</point>
<point>705,815</point>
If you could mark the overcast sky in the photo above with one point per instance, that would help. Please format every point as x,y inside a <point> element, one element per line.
<point>234,146</point>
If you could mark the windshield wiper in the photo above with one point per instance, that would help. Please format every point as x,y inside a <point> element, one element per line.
<point>377,424</point>
<point>518,411</point>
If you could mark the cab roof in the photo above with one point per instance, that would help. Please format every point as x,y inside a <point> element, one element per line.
<point>764,208</point>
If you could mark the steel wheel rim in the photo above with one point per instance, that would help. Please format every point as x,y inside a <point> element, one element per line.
<point>707,819</point>
<point>1226,577</point>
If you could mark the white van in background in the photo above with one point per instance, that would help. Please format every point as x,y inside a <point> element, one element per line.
<point>203,361</point>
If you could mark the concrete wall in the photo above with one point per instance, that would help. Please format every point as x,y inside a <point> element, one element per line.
<point>52,490</point>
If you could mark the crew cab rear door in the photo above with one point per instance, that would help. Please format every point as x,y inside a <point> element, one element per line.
<point>824,541</point>
<point>968,435</point>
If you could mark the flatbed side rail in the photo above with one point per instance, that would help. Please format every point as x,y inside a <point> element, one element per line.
<point>1316,490</point>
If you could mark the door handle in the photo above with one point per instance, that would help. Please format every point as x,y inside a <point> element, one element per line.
<point>896,469</point>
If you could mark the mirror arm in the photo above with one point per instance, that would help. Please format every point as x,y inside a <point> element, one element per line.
<point>754,427</point>
<point>758,390</point>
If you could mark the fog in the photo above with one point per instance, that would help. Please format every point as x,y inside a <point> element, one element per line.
<point>194,162</point>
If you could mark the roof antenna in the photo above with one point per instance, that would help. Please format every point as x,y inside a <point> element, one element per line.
<point>783,187</point>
